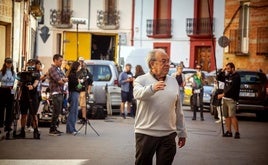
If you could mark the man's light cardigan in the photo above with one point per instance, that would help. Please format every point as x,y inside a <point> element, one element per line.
<point>158,113</point>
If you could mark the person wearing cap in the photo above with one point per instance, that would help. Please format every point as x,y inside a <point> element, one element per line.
<point>7,79</point>
<point>86,79</point>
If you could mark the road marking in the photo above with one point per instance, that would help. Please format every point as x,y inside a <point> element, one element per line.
<point>44,161</point>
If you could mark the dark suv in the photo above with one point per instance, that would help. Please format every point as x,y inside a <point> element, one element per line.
<point>253,96</point>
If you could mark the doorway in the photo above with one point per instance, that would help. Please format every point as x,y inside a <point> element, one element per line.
<point>103,47</point>
<point>203,57</point>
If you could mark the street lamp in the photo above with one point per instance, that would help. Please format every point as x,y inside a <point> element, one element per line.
<point>78,21</point>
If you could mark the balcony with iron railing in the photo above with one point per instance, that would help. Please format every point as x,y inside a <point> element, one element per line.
<point>199,27</point>
<point>108,20</point>
<point>158,28</point>
<point>61,18</point>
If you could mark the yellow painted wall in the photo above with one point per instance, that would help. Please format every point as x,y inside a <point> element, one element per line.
<point>70,45</point>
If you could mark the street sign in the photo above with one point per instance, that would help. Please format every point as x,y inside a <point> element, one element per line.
<point>223,41</point>
<point>78,20</point>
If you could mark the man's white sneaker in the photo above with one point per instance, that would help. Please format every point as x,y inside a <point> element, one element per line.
<point>29,129</point>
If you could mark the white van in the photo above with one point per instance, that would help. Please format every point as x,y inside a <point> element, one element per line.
<point>138,57</point>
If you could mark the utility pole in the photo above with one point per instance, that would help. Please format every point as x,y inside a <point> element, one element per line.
<point>78,21</point>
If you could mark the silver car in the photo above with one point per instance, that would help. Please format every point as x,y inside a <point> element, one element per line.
<point>105,75</point>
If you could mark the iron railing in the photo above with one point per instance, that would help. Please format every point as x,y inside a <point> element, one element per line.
<point>61,18</point>
<point>199,26</point>
<point>108,19</point>
<point>158,28</point>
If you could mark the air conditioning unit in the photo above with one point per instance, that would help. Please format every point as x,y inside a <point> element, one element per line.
<point>244,45</point>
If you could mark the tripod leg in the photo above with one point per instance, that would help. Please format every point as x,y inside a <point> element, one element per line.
<point>93,128</point>
<point>15,128</point>
<point>80,128</point>
<point>85,125</point>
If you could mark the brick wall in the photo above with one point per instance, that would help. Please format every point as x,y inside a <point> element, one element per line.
<point>258,18</point>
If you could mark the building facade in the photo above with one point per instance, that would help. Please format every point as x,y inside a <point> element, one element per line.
<point>190,31</point>
<point>5,30</point>
<point>80,29</point>
<point>18,24</point>
<point>187,29</point>
<point>246,28</point>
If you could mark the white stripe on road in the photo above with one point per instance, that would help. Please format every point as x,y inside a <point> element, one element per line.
<point>44,161</point>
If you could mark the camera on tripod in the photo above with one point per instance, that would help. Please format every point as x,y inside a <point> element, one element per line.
<point>27,77</point>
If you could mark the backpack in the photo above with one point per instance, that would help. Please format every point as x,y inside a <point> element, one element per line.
<point>97,112</point>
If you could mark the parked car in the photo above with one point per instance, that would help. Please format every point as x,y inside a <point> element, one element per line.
<point>253,96</point>
<point>208,90</point>
<point>105,74</point>
<point>188,87</point>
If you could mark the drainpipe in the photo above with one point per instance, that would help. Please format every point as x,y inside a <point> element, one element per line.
<point>132,26</point>
<point>141,23</point>
<point>12,27</point>
<point>88,22</point>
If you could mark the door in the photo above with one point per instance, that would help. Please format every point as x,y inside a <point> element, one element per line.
<point>203,57</point>
<point>75,45</point>
<point>104,46</point>
<point>3,44</point>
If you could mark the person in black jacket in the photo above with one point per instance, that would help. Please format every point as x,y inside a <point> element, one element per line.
<point>74,88</point>
<point>28,82</point>
<point>230,97</point>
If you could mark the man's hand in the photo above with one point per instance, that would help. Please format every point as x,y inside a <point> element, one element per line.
<point>65,79</point>
<point>181,142</point>
<point>30,87</point>
<point>160,85</point>
<point>129,79</point>
<point>220,96</point>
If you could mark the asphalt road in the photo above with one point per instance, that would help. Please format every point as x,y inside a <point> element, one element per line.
<point>115,145</point>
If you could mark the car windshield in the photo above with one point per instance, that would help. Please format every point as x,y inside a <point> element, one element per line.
<point>252,78</point>
<point>100,72</point>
